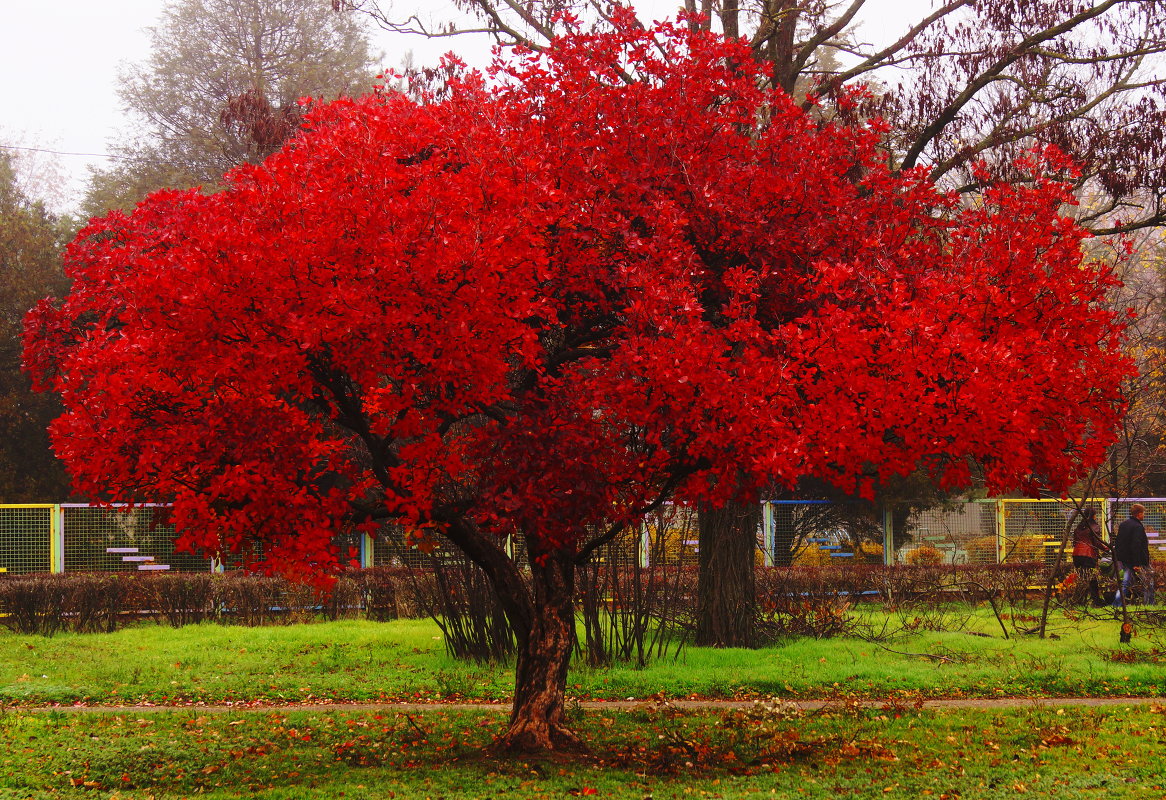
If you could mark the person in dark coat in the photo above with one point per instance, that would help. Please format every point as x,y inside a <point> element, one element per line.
<point>1131,552</point>
<point>1087,546</point>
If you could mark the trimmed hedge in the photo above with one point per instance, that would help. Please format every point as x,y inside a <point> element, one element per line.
<point>87,602</point>
<point>791,600</point>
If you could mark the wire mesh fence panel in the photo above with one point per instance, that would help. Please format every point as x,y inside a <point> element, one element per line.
<point>348,548</point>
<point>1032,530</point>
<point>763,555</point>
<point>1154,521</point>
<point>798,532</point>
<point>388,548</point>
<point>806,534</point>
<point>516,546</point>
<point>625,550</point>
<point>391,549</point>
<point>25,538</point>
<point>123,540</point>
<point>965,534</point>
<point>672,535</point>
<point>250,552</point>
<point>821,533</point>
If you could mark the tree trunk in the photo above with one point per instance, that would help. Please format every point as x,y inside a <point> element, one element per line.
<point>542,615</point>
<point>544,653</point>
<point>730,18</point>
<point>726,593</point>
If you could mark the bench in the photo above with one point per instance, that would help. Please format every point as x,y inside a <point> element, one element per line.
<point>145,563</point>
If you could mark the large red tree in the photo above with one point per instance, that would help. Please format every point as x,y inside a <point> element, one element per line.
<point>539,306</point>
<point>968,85</point>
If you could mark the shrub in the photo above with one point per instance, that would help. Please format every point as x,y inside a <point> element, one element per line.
<point>251,600</point>
<point>386,593</point>
<point>981,550</point>
<point>925,555</point>
<point>1029,547</point>
<point>85,602</point>
<point>33,604</point>
<point>812,556</point>
<point>806,601</point>
<point>90,602</point>
<point>95,601</point>
<point>179,598</point>
<point>870,553</point>
<point>626,612</point>
<point>346,598</point>
<point>633,613</point>
<point>463,603</point>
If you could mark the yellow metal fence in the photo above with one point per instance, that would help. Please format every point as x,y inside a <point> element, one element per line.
<point>74,537</point>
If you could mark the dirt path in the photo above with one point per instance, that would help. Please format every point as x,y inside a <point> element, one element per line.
<point>614,705</point>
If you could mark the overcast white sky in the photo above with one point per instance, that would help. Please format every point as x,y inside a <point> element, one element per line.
<point>59,63</point>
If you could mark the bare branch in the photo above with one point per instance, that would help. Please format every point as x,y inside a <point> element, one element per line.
<point>1014,54</point>
<point>825,36</point>
<point>880,59</point>
<point>995,139</point>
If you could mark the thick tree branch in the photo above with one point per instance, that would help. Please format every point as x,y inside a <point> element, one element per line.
<point>490,9</point>
<point>994,139</point>
<point>1022,49</point>
<point>880,59</point>
<point>485,551</point>
<point>807,50</point>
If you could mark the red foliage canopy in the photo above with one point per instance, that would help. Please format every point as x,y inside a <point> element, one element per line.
<point>544,302</point>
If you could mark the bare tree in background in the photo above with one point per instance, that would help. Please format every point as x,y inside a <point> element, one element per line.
<point>222,87</point>
<point>1137,461</point>
<point>973,81</point>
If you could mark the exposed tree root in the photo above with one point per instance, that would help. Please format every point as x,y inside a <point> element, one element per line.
<point>538,736</point>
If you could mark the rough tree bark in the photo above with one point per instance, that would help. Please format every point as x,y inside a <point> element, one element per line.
<point>544,653</point>
<point>726,597</point>
<point>541,611</point>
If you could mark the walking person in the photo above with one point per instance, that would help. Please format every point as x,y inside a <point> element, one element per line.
<point>1131,552</point>
<point>1087,547</point>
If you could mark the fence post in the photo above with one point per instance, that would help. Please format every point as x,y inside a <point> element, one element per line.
<point>769,537</point>
<point>888,537</point>
<point>645,545</point>
<point>1001,522</point>
<point>367,551</point>
<point>57,539</point>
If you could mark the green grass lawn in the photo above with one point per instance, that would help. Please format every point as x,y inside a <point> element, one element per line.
<point>892,750</point>
<point>648,752</point>
<point>357,660</point>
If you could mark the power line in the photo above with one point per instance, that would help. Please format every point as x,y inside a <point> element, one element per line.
<point>62,152</point>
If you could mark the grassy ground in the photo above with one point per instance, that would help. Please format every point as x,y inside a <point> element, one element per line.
<point>356,660</point>
<point>650,752</point>
<point>893,750</point>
